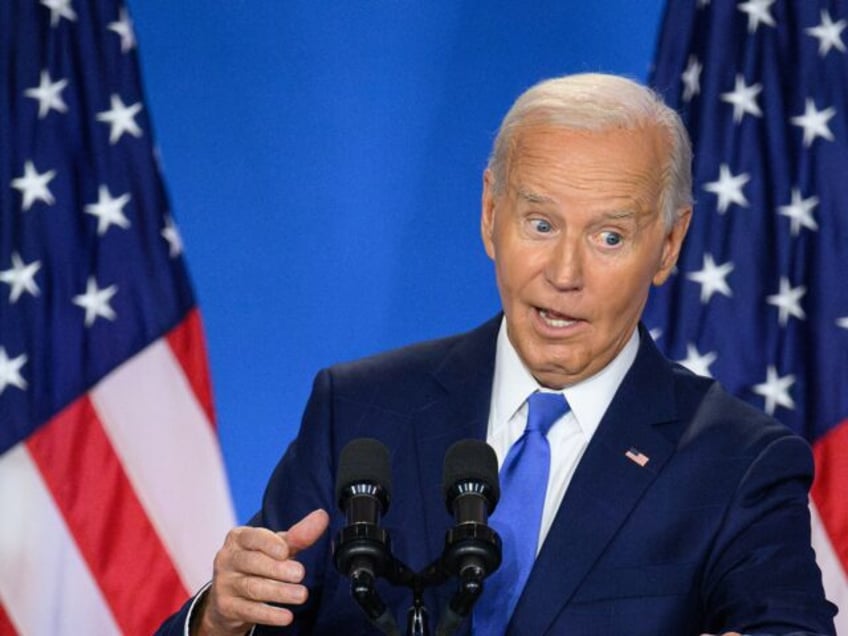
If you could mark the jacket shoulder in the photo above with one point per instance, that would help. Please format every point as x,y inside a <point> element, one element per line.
<point>403,369</point>
<point>733,424</point>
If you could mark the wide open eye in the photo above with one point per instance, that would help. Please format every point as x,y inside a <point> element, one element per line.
<point>611,239</point>
<point>541,226</point>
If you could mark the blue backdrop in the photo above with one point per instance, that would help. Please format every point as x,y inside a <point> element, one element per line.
<point>324,163</point>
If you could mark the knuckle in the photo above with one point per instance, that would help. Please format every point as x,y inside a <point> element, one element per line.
<point>240,561</point>
<point>233,536</point>
<point>219,565</point>
<point>252,589</point>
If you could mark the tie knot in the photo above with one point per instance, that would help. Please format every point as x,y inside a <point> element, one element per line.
<point>544,410</point>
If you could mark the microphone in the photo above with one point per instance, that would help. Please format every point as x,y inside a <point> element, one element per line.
<point>361,548</point>
<point>363,492</point>
<point>471,488</point>
<point>472,548</point>
<point>470,481</point>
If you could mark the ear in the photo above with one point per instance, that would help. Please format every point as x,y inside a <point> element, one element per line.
<point>671,246</point>
<point>487,216</point>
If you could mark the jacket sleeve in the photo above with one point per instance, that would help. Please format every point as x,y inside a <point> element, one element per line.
<point>762,577</point>
<point>303,481</point>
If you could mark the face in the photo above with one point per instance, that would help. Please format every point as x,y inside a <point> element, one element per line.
<point>577,237</point>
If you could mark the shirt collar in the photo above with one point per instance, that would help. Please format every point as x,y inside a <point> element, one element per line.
<point>588,399</point>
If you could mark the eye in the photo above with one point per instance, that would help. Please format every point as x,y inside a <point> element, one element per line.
<point>611,239</point>
<point>541,226</point>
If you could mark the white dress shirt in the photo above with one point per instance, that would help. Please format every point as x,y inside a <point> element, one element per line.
<point>570,434</point>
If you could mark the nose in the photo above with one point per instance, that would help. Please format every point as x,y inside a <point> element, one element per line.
<point>564,269</point>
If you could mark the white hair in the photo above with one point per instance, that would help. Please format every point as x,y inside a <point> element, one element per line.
<point>598,102</point>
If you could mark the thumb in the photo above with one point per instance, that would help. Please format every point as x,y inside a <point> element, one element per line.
<point>306,531</point>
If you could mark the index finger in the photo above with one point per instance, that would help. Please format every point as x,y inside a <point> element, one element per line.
<point>262,540</point>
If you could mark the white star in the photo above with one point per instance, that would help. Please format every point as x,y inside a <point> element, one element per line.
<point>814,122</point>
<point>758,11</point>
<point>800,211</point>
<point>59,9</point>
<point>48,94</point>
<point>788,301</point>
<point>95,301</point>
<point>728,188</point>
<point>33,185</point>
<point>108,211</point>
<point>172,235</point>
<point>712,278</point>
<point>691,78</point>
<point>121,118</point>
<point>743,98</point>
<point>21,277</point>
<point>828,34</point>
<point>703,3</point>
<point>656,333</point>
<point>10,371</point>
<point>776,390</point>
<point>697,363</point>
<point>842,322</point>
<point>124,28</point>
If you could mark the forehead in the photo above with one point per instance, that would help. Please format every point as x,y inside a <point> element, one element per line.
<point>549,163</point>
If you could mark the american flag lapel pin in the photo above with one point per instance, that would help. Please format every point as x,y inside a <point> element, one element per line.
<point>637,457</point>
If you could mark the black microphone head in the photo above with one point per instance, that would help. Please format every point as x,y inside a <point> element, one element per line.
<point>364,460</point>
<point>471,460</point>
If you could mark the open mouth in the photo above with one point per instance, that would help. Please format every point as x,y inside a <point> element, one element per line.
<point>554,319</point>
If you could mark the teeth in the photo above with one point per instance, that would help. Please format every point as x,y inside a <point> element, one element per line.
<point>555,322</point>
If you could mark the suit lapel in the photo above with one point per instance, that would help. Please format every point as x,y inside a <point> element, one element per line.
<point>605,488</point>
<point>457,408</point>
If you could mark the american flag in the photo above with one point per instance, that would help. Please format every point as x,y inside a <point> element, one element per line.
<point>113,498</point>
<point>760,297</point>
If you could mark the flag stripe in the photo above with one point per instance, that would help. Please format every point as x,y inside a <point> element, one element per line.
<point>91,489</point>
<point>6,627</point>
<point>833,576</point>
<point>189,346</point>
<point>45,585</point>
<point>171,456</point>
<point>831,478</point>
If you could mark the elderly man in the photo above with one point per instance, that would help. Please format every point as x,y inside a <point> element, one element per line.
<point>638,498</point>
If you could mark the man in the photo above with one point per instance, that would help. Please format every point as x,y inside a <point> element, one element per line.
<point>669,507</point>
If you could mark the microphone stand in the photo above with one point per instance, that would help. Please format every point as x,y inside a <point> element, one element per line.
<point>471,551</point>
<point>362,550</point>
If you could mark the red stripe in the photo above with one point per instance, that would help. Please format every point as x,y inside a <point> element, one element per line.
<point>189,346</point>
<point>6,627</point>
<point>830,487</point>
<point>114,535</point>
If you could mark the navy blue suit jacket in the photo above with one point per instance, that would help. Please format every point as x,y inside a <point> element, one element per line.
<point>711,534</point>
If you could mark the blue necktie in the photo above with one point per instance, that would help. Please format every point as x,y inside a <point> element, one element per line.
<point>518,516</point>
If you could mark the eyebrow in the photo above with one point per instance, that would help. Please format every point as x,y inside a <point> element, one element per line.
<point>533,197</point>
<point>613,215</point>
<point>617,215</point>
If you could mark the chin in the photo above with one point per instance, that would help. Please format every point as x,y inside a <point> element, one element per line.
<point>554,382</point>
<point>551,374</point>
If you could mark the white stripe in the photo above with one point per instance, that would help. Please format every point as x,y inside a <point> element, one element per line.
<point>171,456</point>
<point>834,577</point>
<point>45,586</point>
